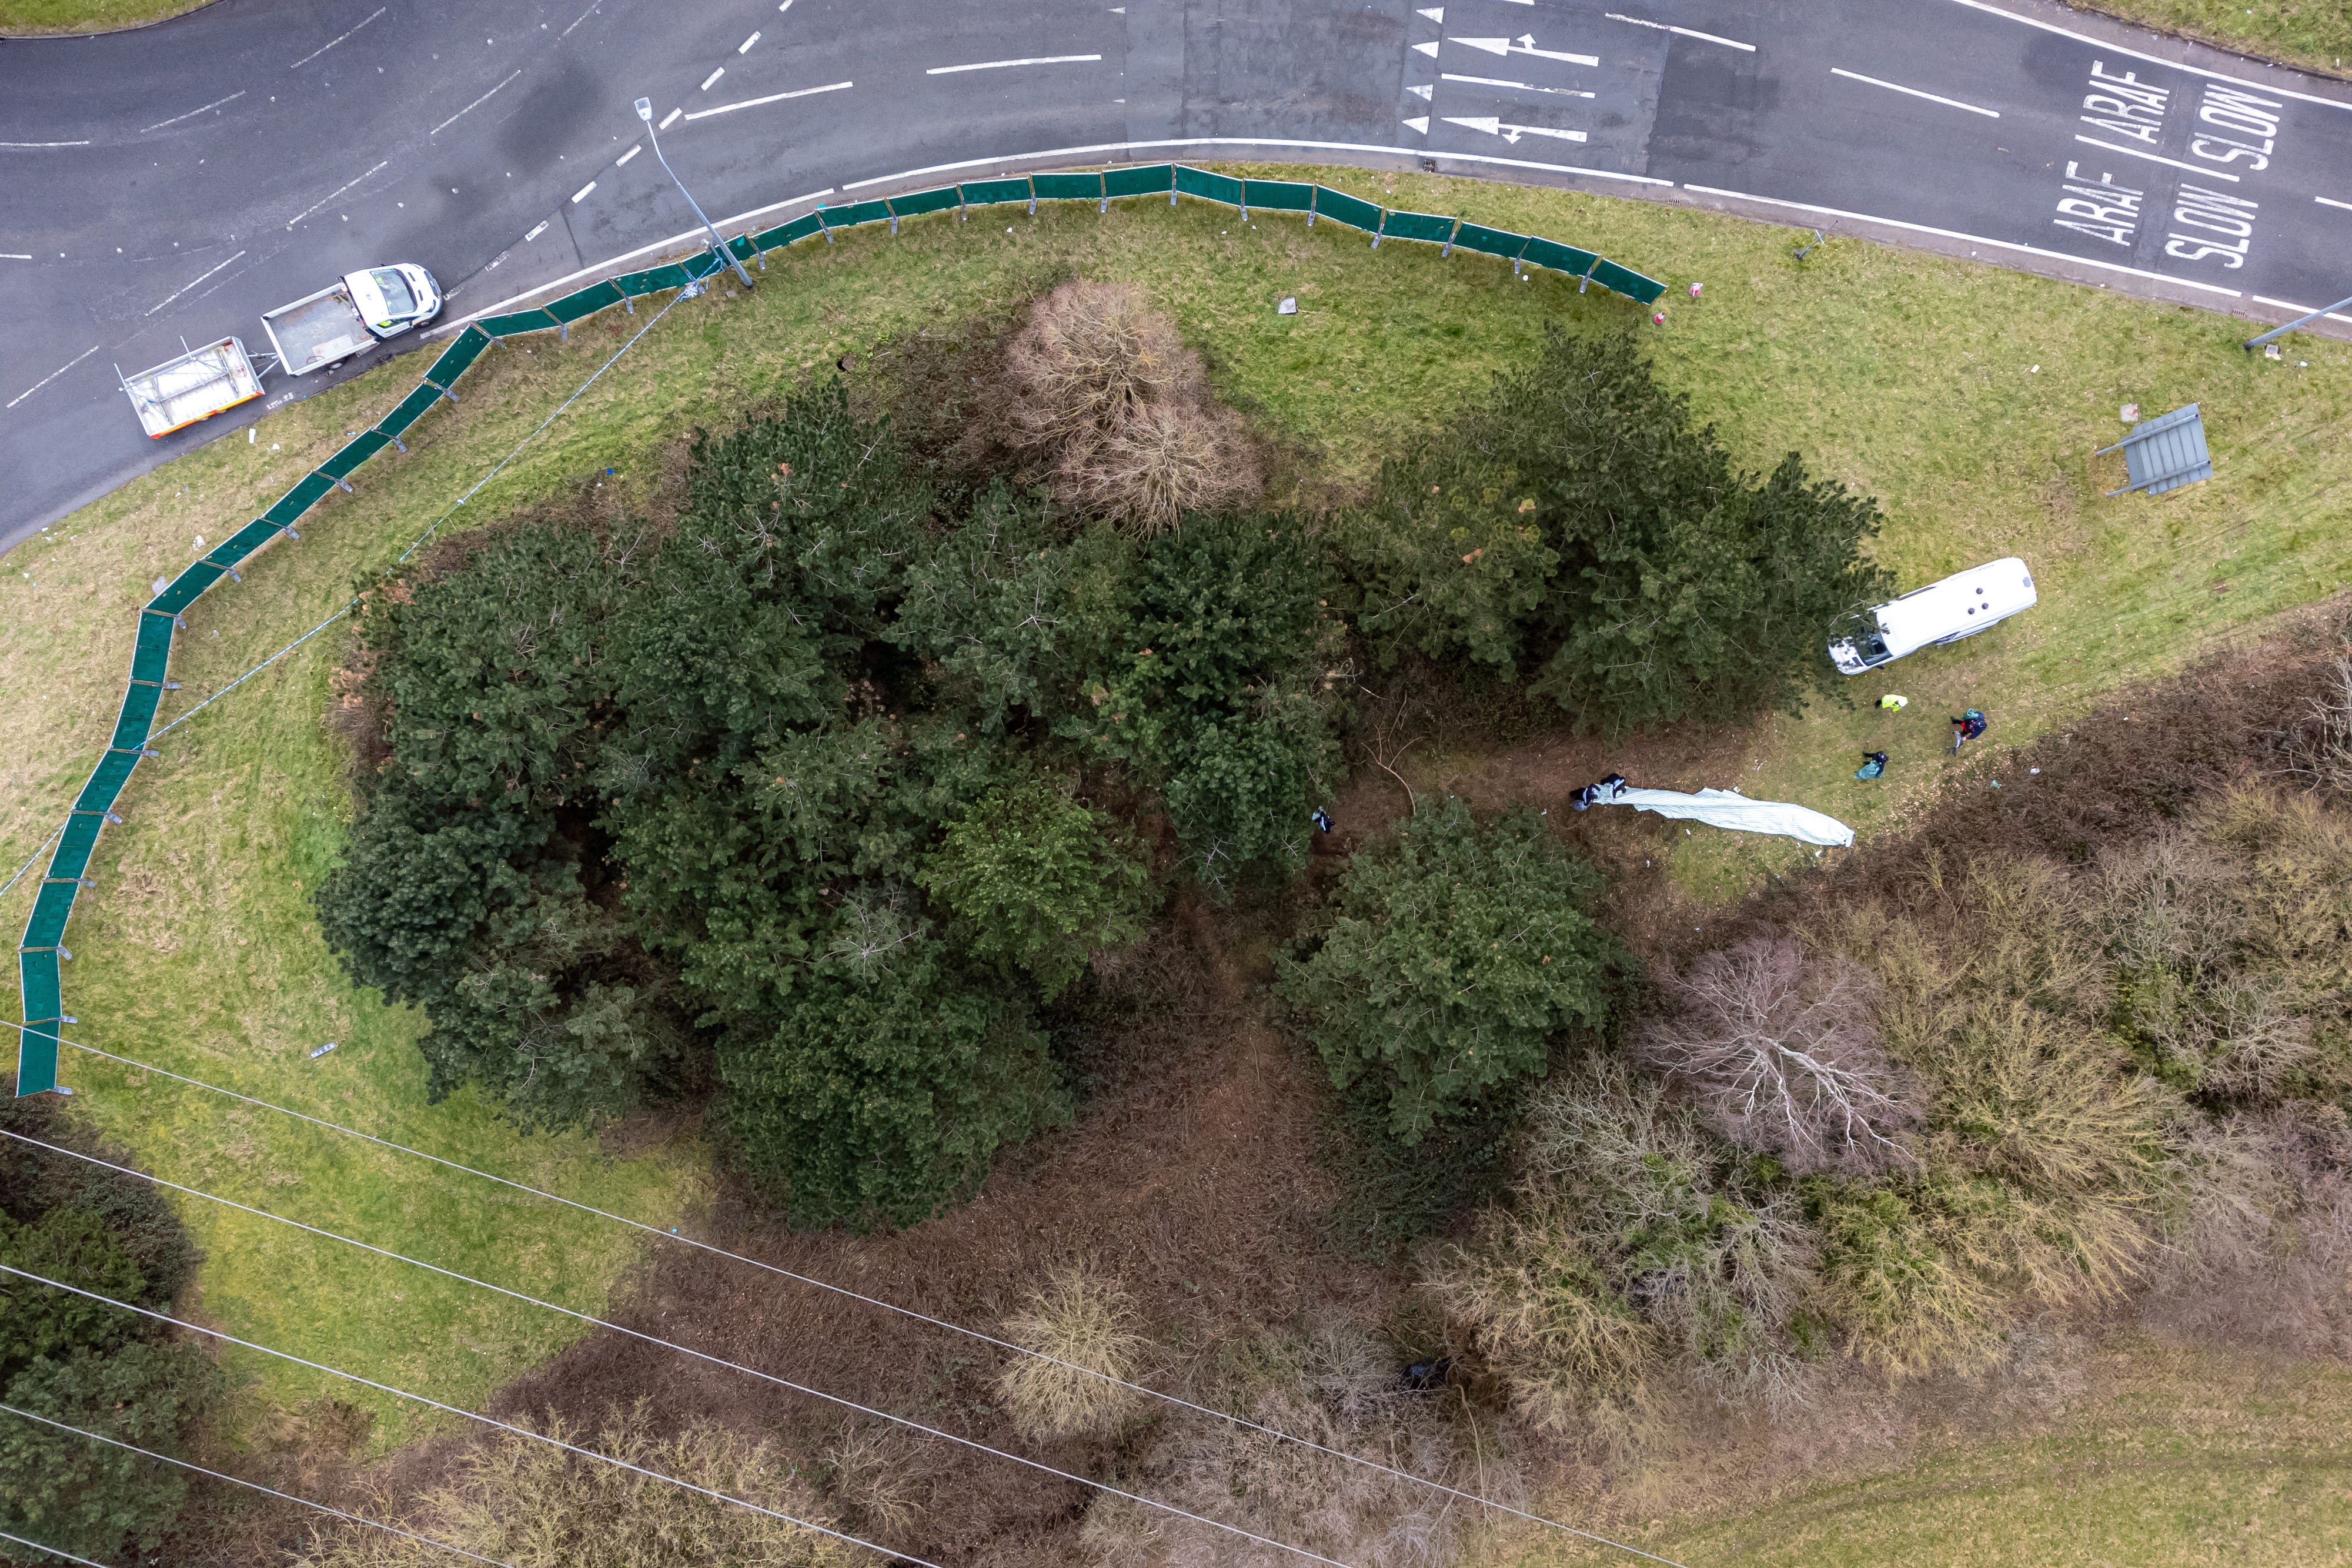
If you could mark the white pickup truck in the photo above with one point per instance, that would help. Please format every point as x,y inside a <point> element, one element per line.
<point>330,326</point>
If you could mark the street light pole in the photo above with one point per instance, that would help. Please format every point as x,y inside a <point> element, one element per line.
<point>645,113</point>
<point>2251,344</point>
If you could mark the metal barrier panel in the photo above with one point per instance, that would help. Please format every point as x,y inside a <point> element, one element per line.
<point>586,302</point>
<point>1071,187</point>
<point>46,928</point>
<point>1417,225</point>
<point>923,202</point>
<point>410,409</point>
<point>151,656</point>
<point>462,351</point>
<point>356,451</point>
<point>1278,195</point>
<point>516,322</point>
<point>1559,257</point>
<point>743,248</point>
<point>243,543</point>
<point>997,192</point>
<point>1626,282</point>
<point>1353,211</point>
<point>186,587</point>
<point>1209,185</point>
<point>1490,242</point>
<point>1149,180</point>
<point>75,845</point>
<point>783,234</point>
<point>37,1060</point>
<point>290,507</point>
<point>852,214</point>
<point>106,781</point>
<point>676,274</point>
<point>137,717</point>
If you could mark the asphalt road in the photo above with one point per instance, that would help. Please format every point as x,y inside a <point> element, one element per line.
<point>177,182</point>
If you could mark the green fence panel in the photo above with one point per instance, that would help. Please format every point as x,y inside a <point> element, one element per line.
<point>1152,179</point>
<point>743,248</point>
<point>1278,195</point>
<point>584,302</point>
<point>137,717</point>
<point>356,451</point>
<point>1209,185</point>
<point>151,656</point>
<point>290,507</point>
<point>454,360</point>
<point>1490,242</point>
<point>923,202</point>
<point>1417,225</point>
<point>1559,257</point>
<point>783,234</point>
<point>52,908</point>
<point>855,213</point>
<point>38,971</point>
<point>1070,187</point>
<point>997,192</point>
<point>106,781</point>
<point>75,846</point>
<point>1626,282</point>
<point>1353,211</point>
<point>37,1060</point>
<point>242,543</point>
<point>515,323</point>
<point>412,409</point>
<point>186,587</point>
<point>677,275</point>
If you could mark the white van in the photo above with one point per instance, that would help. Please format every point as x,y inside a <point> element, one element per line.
<point>1961,606</point>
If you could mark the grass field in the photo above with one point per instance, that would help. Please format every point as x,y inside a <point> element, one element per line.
<point>2314,33</point>
<point>25,18</point>
<point>1911,376</point>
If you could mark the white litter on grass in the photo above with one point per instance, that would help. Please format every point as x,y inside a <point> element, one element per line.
<point>1289,306</point>
<point>323,1051</point>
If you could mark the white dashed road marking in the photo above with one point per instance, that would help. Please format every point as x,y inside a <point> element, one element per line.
<point>580,195</point>
<point>209,271</point>
<point>1915,92</point>
<point>670,118</point>
<point>745,46</point>
<point>52,376</point>
<point>1682,31</point>
<point>633,150</point>
<point>713,76</point>
<point>537,231</point>
<point>191,113</point>
<point>771,98</point>
<point>331,43</point>
<point>1000,65</point>
<point>2332,201</point>
<point>471,107</point>
<point>370,175</point>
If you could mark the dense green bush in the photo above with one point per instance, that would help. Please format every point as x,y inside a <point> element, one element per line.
<point>85,1363</point>
<point>1579,530</point>
<point>1459,953</point>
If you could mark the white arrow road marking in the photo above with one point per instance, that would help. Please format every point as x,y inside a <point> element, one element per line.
<point>1915,92</point>
<point>1687,33</point>
<point>1524,45</point>
<point>1508,132</point>
<point>1423,91</point>
<point>771,98</point>
<point>1522,86</point>
<point>1434,13</point>
<point>1420,123</point>
<point>1429,50</point>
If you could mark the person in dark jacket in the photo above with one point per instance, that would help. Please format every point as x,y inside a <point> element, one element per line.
<point>1874,763</point>
<point>1967,728</point>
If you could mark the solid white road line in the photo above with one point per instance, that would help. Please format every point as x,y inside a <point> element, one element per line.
<point>771,98</point>
<point>44,145</point>
<point>370,175</point>
<point>193,113</point>
<point>634,148</point>
<point>1685,32</point>
<point>745,46</point>
<point>331,43</point>
<point>1524,45</point>
<point>208,273</point>
<point>51,377</point>
<point>670,118</point>
<point>1522,86</point>
<point>1915,92</point>
<point>12,256</point>
<point>580,195</point>
<point>1494,126</point>
<point>2298,310</point>
<point>2332,201</point>
<point>2153,59</point>
<point>1972,239</point>
<point>713,76</point>
<point>1000,65</point>
<point>2156,158</point>
<point>471,107</point>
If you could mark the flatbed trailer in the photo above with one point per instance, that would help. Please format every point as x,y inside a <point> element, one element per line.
<point>195,386</point>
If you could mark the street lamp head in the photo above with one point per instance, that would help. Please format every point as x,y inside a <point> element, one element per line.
<point>646,109</point>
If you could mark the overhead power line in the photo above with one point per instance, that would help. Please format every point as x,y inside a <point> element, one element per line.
<point>254,1486</point>
<point>590,1318</point>
<point>52,1551</point>
<point>883,1305</point>
<point>470,1415</point>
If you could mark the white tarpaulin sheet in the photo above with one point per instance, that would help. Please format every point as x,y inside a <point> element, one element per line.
<point>1726,809</point>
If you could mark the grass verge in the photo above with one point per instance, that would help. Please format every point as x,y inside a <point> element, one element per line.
<point>38,19</point>
<point>1968,398</point>
<point>2316,33</point>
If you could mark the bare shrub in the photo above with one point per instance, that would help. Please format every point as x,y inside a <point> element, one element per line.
<point>1634,1250</point>
<point>1105,393</point>
<point>1086,1322</point>
<point>2319,748</point>
<point>1780,1053</point>
<point>521,1501</point>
